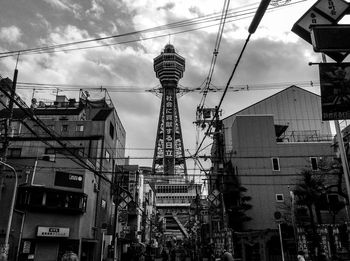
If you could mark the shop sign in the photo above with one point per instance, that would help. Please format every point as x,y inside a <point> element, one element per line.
<point>214,197</point>
<point>335,91</point>
<point>65,179</point>
<point>126,229</point>
<point>26,247</point>
<point>52,232</point>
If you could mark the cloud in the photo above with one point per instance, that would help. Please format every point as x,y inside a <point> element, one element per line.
<point>67,6</point>
<point>272,55</point>
<point>167,6</point>
<point>11,34</point>
<point>96,11</point>
<point>43,21</point>
<point>195,10</point>
<point>67,34</point>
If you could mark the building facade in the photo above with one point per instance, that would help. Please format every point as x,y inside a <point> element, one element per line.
<point>66,175</point>
<point>268,145</point>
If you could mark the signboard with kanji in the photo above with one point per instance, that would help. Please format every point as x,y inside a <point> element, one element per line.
<point>335,90</point>
<point>323,12</point>
<point>52,231</point>
<point>214,197</point>
<point>125,199</point>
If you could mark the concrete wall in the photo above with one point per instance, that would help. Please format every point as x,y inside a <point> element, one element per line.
<point>254,147</point>
<point>297,108</point>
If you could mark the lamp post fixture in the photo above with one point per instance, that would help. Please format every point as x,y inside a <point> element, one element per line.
<point>4,256</point>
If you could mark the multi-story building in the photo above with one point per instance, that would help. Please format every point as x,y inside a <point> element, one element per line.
<point>137,213</point>
<point>269,144</point>
<point>149,212</point>
<point>66,174</point>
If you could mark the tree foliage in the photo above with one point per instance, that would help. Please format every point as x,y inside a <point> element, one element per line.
<point>236,200</point>
<point>314,189</point>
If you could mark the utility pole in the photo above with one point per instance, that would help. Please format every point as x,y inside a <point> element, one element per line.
<point>4,252</point>
<point>8,125</point>
<point>115,222</point>
<point>8,128</point>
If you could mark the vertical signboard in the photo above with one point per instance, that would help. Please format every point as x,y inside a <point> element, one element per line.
<point>335,90</point>
<point>169,128</point>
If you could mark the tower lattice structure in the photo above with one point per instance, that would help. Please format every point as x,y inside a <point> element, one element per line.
<point>169,155</point>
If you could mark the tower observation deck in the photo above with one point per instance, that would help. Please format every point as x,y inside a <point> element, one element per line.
<point>169,156</point>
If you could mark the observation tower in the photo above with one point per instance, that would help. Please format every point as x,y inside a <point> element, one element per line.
<point>169,156</point>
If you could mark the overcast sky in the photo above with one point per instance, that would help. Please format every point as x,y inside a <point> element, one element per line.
<point>274,56</point>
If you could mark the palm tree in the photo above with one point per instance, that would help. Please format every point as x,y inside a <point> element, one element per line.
<point>315,188</point>
<point>308,192</point>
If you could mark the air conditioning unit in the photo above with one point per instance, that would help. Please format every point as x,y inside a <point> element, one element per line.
<point>49,157</point>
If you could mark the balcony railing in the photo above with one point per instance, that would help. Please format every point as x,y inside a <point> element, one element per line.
<point>304,136</point>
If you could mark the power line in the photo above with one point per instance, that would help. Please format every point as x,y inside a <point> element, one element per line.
<point>36,87</point>
<point>185,23</point>
<point>74,157</point>
<point>254,24</point>
<point>182,23</point>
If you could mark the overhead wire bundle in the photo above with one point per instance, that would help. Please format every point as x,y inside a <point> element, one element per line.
<point>183,26</point>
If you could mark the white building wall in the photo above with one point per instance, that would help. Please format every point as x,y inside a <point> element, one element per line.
<point>297,108</point>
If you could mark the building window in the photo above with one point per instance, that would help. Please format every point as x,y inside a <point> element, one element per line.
<point>275,164</point>
<point>108,156</point>
<point>79,128</point>
<point>111,130</point>
<point>279,198</point>
<point>313,161</point>
<point>64,128</point>
<point>14,152</point>
<point>51,200</point>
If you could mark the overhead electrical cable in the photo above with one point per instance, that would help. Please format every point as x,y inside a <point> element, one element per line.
<point>253,26</point>
<point>18,101</point>
<point>182,23</point>
<point>51,49</point>
<point>212,66</point>
<point>32,131</point>
<point>132,88</point>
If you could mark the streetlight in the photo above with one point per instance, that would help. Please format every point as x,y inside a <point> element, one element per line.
<point>4,256</point>
<point>258,16</point>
